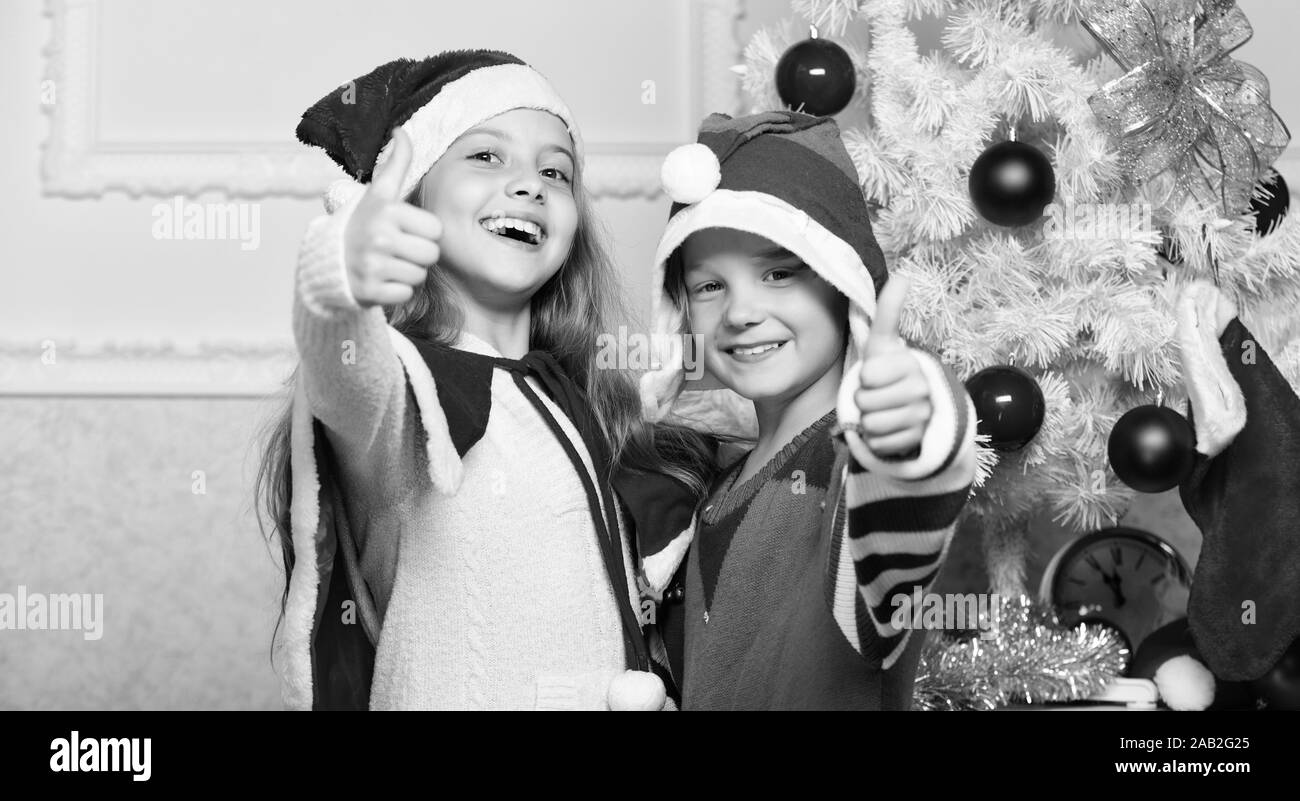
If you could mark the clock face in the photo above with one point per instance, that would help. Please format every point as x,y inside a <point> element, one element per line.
<point>1128,579</point>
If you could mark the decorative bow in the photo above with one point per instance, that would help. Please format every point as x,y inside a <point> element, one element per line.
<point>1184,106</point>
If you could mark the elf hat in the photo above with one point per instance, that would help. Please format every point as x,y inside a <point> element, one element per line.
<point>435,100</point>
<point>781,175</point>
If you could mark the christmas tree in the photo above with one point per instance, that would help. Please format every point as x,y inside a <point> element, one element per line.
<point>1049,177</point>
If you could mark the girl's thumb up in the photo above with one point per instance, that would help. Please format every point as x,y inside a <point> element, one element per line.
<point>389,244</point>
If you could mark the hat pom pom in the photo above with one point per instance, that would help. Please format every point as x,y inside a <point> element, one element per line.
<point>636,691</point>
<point>690,173</point>
<point>1185,684</point>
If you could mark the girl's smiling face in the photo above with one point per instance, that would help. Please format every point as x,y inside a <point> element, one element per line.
<point>504,194</point>
<point>770,326</point>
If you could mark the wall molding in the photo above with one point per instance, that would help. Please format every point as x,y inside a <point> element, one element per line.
<point>209,369</point>
<point>76,164</point>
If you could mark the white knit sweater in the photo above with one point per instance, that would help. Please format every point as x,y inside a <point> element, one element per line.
<point>495,597</point>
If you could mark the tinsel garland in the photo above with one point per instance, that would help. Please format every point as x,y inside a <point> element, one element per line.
<point>1031,658</point>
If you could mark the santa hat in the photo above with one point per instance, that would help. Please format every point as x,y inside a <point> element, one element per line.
<point>1169,657</point>
<point>784,176</point>
<point>434,99</point>
<point>1244,491</point>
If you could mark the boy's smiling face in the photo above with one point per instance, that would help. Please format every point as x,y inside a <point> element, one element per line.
<point>769,326</point>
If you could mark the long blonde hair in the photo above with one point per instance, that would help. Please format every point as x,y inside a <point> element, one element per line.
<point>568,314</point>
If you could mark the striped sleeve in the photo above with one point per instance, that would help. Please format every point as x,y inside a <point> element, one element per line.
<point>893,530</point>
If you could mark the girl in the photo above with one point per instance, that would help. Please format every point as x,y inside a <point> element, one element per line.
<point>807,546</point>
<point>441,486</point>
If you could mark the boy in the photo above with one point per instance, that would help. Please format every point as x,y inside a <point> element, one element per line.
<point>850,496</point>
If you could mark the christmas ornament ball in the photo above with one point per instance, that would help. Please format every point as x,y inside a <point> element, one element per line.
<point>1151,448</point>
<point>1009,405</point>
<point>816,77</point>
<point>1269,211</point>
<point>1280,687</point>
<point>1011,183</point>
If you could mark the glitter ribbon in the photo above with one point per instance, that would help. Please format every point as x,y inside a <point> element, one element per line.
<point>1031,658</point>
<point>1184,107</point>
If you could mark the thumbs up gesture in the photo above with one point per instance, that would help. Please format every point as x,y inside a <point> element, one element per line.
<point>894,396</point>
<point>389,244</point>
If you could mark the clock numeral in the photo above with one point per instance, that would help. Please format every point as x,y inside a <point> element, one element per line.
<point>1117,555</point>
<point>1141,556</point>
<point>1092,562</point>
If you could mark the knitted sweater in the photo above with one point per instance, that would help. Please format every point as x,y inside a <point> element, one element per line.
<point>491,596</point>
<point>789,581</point>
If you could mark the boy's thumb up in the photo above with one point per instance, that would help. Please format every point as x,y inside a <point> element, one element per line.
<point>883,337</point>
<point>386,183</point>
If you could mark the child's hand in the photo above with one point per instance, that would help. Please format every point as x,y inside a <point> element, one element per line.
<point>894,398</point>
<point>389,244</point>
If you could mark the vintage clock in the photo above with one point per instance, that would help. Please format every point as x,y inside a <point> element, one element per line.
<point>1125,578</point>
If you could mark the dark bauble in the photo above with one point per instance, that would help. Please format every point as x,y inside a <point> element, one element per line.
<point>1270,211</point>
<point>1009,405</point>
<point>1280,687</point>
<point>816,77</point>
<point>1152,448</point>
<point>1011,183</point>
